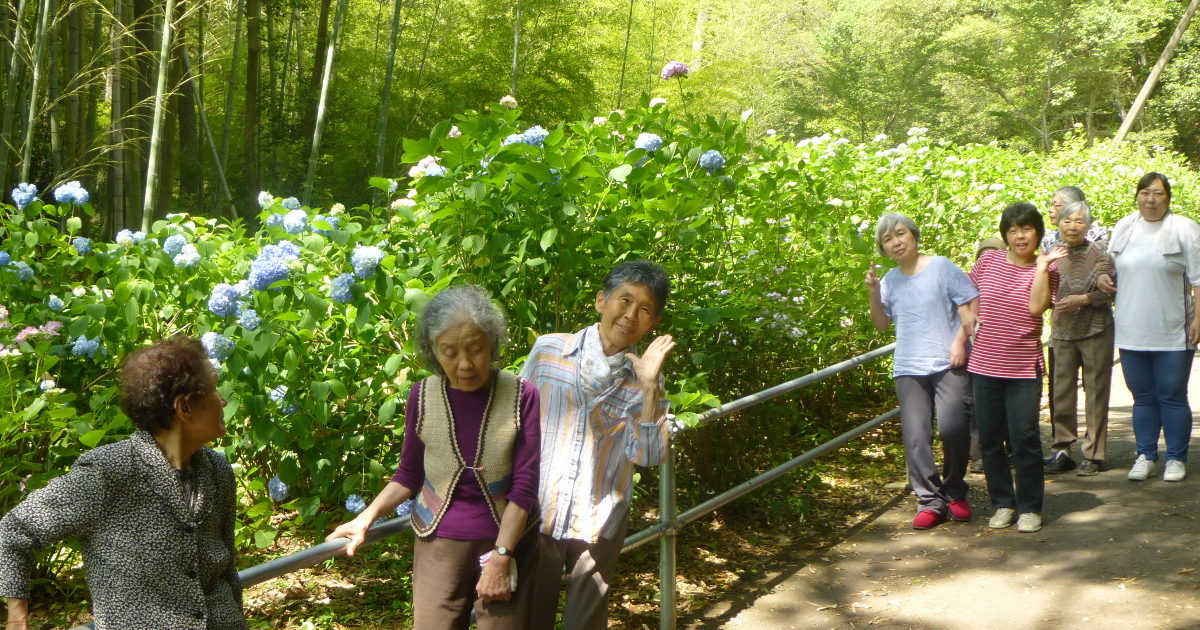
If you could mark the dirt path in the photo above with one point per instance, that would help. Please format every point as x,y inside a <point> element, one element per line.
<point>1113,554</point>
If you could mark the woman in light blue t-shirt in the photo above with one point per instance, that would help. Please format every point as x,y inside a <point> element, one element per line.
<point>928,298</point>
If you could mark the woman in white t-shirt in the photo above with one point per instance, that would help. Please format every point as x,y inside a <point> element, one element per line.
<point>1157,256</point>
<point>929,299</point>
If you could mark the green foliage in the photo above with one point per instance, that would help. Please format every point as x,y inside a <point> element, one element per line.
<point>766,253</point>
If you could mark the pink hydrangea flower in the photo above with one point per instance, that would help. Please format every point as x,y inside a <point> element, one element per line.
<point>675,69</point>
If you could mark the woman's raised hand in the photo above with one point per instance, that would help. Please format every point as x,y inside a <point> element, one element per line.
<point>872,280</point>
<point>1044,260</point>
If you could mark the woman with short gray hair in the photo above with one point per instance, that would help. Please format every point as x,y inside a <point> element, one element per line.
<point>1081,334</point>
<point>472,444</point>
<point>930,301</point>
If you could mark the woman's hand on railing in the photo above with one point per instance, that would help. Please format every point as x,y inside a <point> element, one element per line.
<point>494,582</point>
<point>355,531</point>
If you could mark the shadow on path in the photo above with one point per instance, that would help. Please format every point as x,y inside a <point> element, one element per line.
<point>1113,554</point>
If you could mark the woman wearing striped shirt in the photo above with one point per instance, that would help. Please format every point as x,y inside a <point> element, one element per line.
<point>1006,368</point>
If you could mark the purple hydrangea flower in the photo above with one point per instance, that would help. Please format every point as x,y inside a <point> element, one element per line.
<point>277,490</point>
<point>675,69</point>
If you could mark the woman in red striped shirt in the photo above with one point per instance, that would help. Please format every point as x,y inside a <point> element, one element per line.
<point>1006,368</point>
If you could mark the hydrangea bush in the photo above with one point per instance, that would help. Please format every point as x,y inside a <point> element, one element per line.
<point>309,318</point>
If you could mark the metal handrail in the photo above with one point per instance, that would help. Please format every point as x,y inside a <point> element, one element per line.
<point>669,520</point>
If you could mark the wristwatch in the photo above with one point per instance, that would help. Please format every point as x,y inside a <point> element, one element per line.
<point>504,551</point>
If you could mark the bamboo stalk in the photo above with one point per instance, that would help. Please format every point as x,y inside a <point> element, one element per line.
<point>164,58</point>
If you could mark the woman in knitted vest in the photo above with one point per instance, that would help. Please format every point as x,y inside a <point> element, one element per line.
<point>469,460</point>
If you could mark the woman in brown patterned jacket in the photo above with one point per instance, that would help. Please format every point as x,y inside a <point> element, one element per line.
<point>1082,330</point>
<point>153,513</point>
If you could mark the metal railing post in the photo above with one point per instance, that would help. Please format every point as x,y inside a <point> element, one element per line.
<point>666,544</point>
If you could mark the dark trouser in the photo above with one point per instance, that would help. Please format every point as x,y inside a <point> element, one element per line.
<point>920,397</point>
<point>1158,381</point>
<point>589,567</point>
<point>1008,408</point>
<point>969,400</point>
<point>445,573</point>
<point>1095,355</point>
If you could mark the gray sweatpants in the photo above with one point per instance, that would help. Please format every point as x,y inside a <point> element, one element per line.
<point>920,398</point>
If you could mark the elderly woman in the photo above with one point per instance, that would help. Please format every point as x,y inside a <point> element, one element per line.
<point>470,458</point>
<point>1058,200</point>
<point>153,513</point>
<point>1082,332</point>
<point>930,300</point>
<point>1006,370</point>
<point>1157,257</point>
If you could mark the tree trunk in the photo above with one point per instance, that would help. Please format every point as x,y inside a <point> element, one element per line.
<point>385,96</point>
<point>233,71</point>
<point>10,93</point>
<point>330,50</point>
<point>190,168</point>
<point>53,91</point>
<point>74,125</point>
<point>625,55</point>
<point>318,71</point>
<point>116,169</point>
<point>31,116</point>
<point>250,109</point>
<point>512,88</point>
<point>156,122</point>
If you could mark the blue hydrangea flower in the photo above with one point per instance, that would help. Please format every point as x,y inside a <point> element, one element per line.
<point>712,161</point>
<point>277,395</point>
<point>513,139</point>
<point>648,141</point>
<point>174,244</point>
<point>275,220</point>
<point>535,136</point>
<point>223,301</point>
<point>55,303</point>
<point>188,257</point>
<point>217,346</point>
<point>4,259</point>
<point>125,238</point>
<point>82,245</point>
<point>139,237</point>
<point>248,318</point>
<point>269,268</point>
<point>24,272</point>
<point>291,203</point>
<point>365,261</point>
<point>404,509</point>
<point>277,490</point>
<point>355,504</point>
<point>331,220</point>
<point>265,199</point>
<point>71,192</point>
<point>24,194</point>
<point>290,251</point>
<point>47,384</point>
<point>295,221</point>
<point>339,289</point>
<point>84,347</point>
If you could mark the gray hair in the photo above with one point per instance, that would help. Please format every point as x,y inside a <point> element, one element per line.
<point>451,307</point>
<point>888,222</point>
<point>1076,207</point>
<point>644,273</point>
<point>1069,194</point>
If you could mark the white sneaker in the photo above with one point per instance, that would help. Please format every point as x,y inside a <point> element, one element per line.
<point>1142,469</point>
<point>1002,518</point>
<point>1029,522</point>
<point>1174,470</point>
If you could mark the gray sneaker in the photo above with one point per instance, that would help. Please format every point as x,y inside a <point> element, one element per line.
<point>1002,518</point>
<point>1089,467</point>
<point>1029,522</point>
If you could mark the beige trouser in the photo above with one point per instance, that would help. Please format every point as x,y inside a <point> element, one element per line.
<point>1095,355</point>
<point>445,573</point>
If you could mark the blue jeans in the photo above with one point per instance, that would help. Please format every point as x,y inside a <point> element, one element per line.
<point>1007,409</point>
<point>1158,381</point>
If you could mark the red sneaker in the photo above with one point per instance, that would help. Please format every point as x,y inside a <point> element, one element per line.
<point>960,509</point>
<point>926,519</point>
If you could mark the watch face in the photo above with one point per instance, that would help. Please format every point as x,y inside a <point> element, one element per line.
<point>502,550</point>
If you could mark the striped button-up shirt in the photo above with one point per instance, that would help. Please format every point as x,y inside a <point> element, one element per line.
<point>589,446</point>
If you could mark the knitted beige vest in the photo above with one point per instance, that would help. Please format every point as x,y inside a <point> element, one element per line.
<point>444,463</point>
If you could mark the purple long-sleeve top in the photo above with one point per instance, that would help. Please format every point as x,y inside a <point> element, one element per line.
<point>468,517</point>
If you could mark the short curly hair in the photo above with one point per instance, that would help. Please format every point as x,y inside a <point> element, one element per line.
<point>152,378</point>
